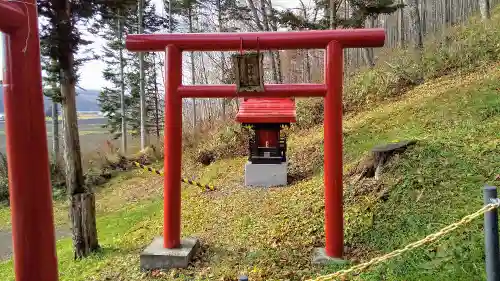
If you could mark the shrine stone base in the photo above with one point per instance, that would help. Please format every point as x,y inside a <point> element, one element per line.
<point>321,258</point>
<point>265,175</point>
<point>155,256</point>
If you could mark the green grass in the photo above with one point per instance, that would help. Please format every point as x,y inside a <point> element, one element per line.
<point>270,234</point>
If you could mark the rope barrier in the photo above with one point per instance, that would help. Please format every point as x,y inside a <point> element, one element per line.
<point>342,274</point>
<point>154,171</point>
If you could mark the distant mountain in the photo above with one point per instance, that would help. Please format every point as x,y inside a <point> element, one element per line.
<point>86,100</point>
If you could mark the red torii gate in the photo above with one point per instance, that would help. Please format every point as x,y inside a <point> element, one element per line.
<point>334,41</point>
<point>30,194</point>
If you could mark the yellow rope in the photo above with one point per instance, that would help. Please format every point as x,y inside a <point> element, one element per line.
<point>153,170</point>
<point>341,274</point>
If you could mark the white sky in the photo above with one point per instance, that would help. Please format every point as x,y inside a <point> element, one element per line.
<point>91,72</point>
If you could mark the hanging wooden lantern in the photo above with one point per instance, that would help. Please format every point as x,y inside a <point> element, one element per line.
<point>249,72</point>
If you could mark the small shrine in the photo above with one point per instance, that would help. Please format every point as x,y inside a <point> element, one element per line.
<point>265,117</point>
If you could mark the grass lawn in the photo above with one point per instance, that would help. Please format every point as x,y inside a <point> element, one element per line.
<point>270,234</point>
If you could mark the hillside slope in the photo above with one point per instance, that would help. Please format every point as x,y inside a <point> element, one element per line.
<point>270,234</point>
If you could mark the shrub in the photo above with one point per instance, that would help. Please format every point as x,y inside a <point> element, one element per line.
<point>56,175</point>
<point>309,112</point>
<point>4,178</point>
<point>229,140</point>
<point>305,161</point>
<point>95,177</point>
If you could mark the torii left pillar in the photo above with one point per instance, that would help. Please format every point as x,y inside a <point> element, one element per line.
<point>30,194</point>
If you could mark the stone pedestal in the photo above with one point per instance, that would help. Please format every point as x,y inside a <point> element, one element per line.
<point>157,257</point>
<point>320,258</point>
<point>265,175</point>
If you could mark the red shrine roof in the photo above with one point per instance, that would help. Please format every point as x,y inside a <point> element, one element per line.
<point>266,110</point>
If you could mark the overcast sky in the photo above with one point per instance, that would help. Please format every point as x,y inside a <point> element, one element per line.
<point>91,72</point>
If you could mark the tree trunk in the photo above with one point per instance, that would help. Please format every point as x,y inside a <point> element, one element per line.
<point>255,15</point>
<point>333,14</point>
<point>306,51</point>
<point>423,12</point>
<point>271,19</point>
<point>55,131</point>
<point>193,78</point>
<point>82,212</point>
<point>447,13</point>
<point>415,24</point>
<point>347,52</point>
<point>170,27</point>
<point>222,58</point>
<point>401,27</point>
<point>484,6</point>
<point>144,111</point>
<point>122,85</point>
<point>368,52</point>
<point>83,222</point>
<point>264,26</point>
<point>157,108</point>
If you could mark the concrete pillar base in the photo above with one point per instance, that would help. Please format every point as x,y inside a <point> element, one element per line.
<point>265,175</point>
<point>320,258</point>
<point>157,257</point>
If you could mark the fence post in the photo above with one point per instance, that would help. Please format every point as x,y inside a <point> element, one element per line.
<point>491,236</point>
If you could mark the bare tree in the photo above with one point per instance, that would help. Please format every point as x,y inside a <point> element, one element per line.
<point>143,106</point>
<point>120,20</point>
<point>401,26</point>
<point>55,130</point>
<point>415,25</point>
<point>222,56</point>
<point>156,100</point>
<point>272,18</point>
<point>368,52</point>
<point>484,6</point>
<point>306,51</point>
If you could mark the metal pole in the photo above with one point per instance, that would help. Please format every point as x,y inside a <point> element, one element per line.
<point>491,236</point>
<point>334,225</point>
<point>30,195</point>
<point>173,150</point>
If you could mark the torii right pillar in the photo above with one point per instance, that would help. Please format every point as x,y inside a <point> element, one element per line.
<point>333,163</point>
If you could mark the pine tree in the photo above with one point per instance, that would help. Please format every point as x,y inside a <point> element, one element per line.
<point>112,99</point>
<point>60,41</point>
<point>109,98</point>
<point>156,102</point>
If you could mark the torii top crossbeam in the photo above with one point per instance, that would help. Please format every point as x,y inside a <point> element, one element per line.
<point>313,39</point>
